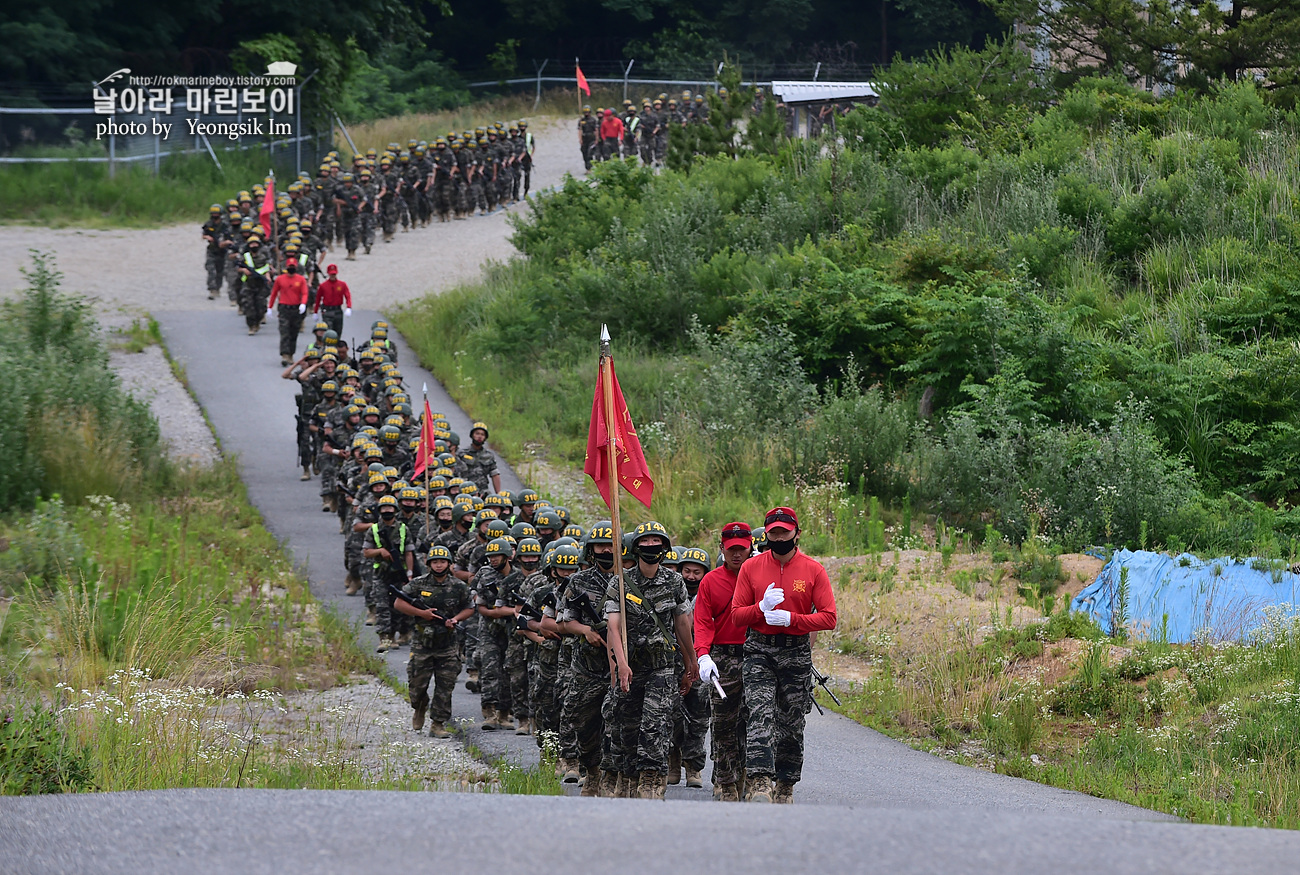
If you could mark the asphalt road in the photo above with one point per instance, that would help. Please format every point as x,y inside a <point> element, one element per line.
<point>867,803</point>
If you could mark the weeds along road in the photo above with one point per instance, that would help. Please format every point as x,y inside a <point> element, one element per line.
<point>866,802</point>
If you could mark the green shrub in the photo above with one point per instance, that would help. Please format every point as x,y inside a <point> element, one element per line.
<point>36,755</point>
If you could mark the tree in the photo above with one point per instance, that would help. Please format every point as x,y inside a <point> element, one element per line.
<point>928,95</point>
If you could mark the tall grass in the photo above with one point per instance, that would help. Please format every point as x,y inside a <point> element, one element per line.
<point>67,425</point>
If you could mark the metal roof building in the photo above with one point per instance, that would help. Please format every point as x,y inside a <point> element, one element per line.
<point>802,97</point>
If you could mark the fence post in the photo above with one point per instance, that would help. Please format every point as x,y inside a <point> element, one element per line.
<point>537,101</point>
<point>625,75</point>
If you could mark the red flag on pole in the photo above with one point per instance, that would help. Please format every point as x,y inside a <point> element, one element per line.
<point>424,452</point>
<point>582,82</point>
<point>632,470</point>
<point>267,209</point>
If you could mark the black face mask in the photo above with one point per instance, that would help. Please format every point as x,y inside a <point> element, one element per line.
<point>780,548</point>
<point>293,268</point>
<point>604,561</point>
<point>444,524</point>
<point>651,555</point>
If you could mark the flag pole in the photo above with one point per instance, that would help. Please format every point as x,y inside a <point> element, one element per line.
<point>424,389</point>
<point>607,380</point>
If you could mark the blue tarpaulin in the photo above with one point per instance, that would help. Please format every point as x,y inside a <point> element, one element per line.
<point>1183,595</point>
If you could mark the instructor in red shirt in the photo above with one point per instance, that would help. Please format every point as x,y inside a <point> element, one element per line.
<point>719,644</point>
<point>333,300</point>
<point>291,290</point>
<point>781,596</point>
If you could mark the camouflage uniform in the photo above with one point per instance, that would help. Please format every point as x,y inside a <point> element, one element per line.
<point>354,200</point>
<point>444,187</point>
<point>398,541</point>
<point>371,192</point>
<point>434,654</point>
<point>480,465</point>
<point>515,668</point>
<point>489,586</point>
<point>644,715</point>
<point>215,257</point>
<point>588,128</point>
<point>543,663</point>
<point>255,288</point>
<point>778,696</point>
<point>589,681</point>
<point>727,726</point>
<point>388,203</point>
<point>691,722</point>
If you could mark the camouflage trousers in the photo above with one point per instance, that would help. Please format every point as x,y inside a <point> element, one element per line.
<point>516,674</point>
<point>231,269</point>
<point>367,220</point>
<point>588,151</point>
<point>643,719</point>
<point>216,265</point>
<point>442,666</point>
<point>494,686</point>
<point>528,176</point>
<point>563,678</point>
<point>350,231</point>
<point>290,321</point>
<point>777,698</point>
<point>329,470</point>
<point>661,146</point>
<point>333,317</point>
<point>543,671</point>
<point>388,213</point>
<point>582,711</point>
<point>727,725</point>
<point>410,209</point>
<point>647,149</point>
<point>691,724</point>
<point>378,598</point>
<point>253,295</point>
<point>444,197</point>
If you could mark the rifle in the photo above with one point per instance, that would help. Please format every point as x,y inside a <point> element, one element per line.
<point>415,601</point>
<point>823,681</point>
<point>583,601</point>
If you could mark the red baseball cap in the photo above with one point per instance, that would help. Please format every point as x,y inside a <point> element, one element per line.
<point>333,268</point>
<point>737,535</point>
<point>781,518</point>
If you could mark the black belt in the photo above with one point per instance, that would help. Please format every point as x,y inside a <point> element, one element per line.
<point>728,649</point>
<point>780,639</point>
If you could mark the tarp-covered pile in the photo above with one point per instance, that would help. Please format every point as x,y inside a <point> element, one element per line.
<point>1179,597</point>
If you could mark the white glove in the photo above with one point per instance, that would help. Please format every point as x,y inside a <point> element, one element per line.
<point>302,308</point>
<point>708,669</point>
<point>347,311</point>
<point>270,312</point>
<point>772,597</point>
<point>777,617</point>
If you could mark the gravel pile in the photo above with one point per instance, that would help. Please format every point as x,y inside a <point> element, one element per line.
<point>147,377</point>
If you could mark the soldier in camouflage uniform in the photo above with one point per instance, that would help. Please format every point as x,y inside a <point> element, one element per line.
<point>655,614</point>
<point>519,650</point>
<point>588,128</point>
<point>390,186</point>
<point>411,185</point>
<point>444,184</point>
<point>326,463</point>
<point>491,584</point>
<point>390,550</point>
<point>217,234</point>
<point>255,282</point>
<point>692,723</point>
<point>480,461</point>
<point>323,198</point>
<point>439,604</point>
<point>371,193</point>
<point>543,664</point>
<point>349,201</point>
<point>580,613</point>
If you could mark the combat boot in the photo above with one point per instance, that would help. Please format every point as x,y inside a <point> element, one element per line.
<point>437,730</point>
<point>728,793</point>
<point>784,793</point>
<point>370,617</point>
<point>693,778</point>
<point>385,644</point>
<point>367,249</point>
<point>609,784</point>
<point>306,473</point>
<point>652,785</point>
<point>626,786</point>
<point>525,727</point>
<point>571,773</point>
<point>352,255</point>
<point>417,720</point>
<point>591,786</point>
<point>675,767</point>
<point>504,721</point>
<point>760,789</point>
<point>403,638</point>
<point>489,718</point>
